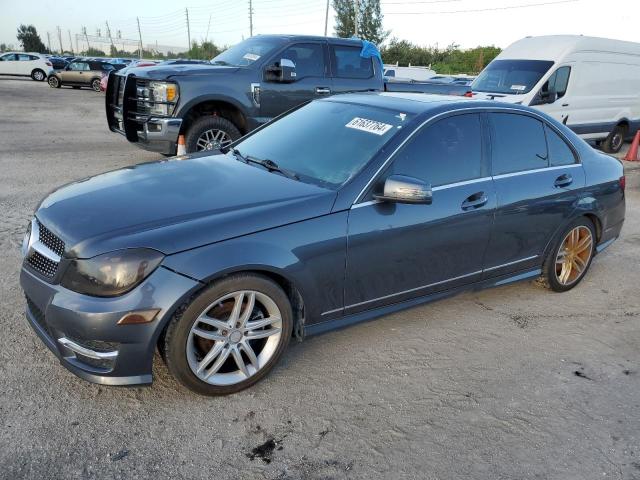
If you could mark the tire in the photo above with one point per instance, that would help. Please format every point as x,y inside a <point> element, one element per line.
<point>95,85</point>
<point>559,275</point>
<point>38,75</point>
<point>613,143</point>
<point>229,133</point>
<point>192,358</point>
<point>54,82</point>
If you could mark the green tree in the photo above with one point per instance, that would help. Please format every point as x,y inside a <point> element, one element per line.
<point>369,20</point>
<point>30,40</point>
<point>3,47</point>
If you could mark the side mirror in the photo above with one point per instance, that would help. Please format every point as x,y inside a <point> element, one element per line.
<point>284,72</point>
<point>403,189</point>
<point>545,97</point>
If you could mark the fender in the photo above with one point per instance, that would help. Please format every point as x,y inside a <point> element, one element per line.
<point>217,97</point>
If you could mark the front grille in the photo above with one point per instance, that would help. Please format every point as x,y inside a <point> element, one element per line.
<point>50,240</point>
<point>143,107</point>
<point>42,264</point>
<point>37,314</point>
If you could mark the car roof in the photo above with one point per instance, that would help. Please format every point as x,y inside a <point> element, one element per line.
<point>302,38</point>
<point>421,103</point>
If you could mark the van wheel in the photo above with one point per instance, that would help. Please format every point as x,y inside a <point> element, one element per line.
<point>613,143</point>
<point>210,133</point>
<point>38,75</point>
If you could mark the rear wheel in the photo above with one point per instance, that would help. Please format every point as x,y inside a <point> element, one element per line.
<point>54,82</point>
<point>613,143</point>
<point>210,133</point>
<point>568,262</point>
<point>230,336</point>
<point>95,84</point>
<point>38,75</point>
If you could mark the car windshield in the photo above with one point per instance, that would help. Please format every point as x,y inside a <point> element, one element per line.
<point>511,76</point>
<point>325,142</point>
<point>247,52</point>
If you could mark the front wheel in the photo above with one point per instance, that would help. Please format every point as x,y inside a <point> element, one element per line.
<point>613,143</point>
<point>54,82</point>
<point>568,262</point>
<point>210,133</point>
<point>95,85</point>
<point>230,336</point>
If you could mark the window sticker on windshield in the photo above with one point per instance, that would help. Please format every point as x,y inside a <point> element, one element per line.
<point>370,126</point>
<point>518,87</point>
<point>251,57</point>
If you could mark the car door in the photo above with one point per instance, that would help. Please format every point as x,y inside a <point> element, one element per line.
<point>8,64</point>
<point>537,179</point>
<point>400,251</point>
<point>311,81</point>
<point>557,83</point>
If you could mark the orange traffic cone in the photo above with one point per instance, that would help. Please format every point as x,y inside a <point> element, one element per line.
<point>182,147</point>
<point>632,154</point>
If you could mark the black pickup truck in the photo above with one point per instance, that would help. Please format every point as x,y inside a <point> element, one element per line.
<point>240,89</point>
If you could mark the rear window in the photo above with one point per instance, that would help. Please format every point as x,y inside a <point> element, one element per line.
<point>559,152</point>
<point>347,63</point>
<point>514,77</point>
<point>517,143</point>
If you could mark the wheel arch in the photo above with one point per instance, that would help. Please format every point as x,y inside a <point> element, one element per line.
<point>216,106</point>
<point>590,215</point>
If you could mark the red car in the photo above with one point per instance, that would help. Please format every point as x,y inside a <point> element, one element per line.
<point>105,76</point>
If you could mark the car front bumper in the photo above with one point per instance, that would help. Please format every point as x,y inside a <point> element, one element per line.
<point>83,331</point>
<point>160,135</point>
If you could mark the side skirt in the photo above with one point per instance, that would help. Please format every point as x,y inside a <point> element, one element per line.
<point>346,321</point>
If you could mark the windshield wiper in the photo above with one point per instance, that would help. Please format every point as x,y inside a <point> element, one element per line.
<point>272,166</point>
<point>237,154</point>
<point>221,62</point>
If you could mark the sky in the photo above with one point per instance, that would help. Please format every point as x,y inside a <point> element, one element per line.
<point>468,23</point>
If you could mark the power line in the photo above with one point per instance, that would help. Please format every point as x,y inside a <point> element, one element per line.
<point>510,7</point>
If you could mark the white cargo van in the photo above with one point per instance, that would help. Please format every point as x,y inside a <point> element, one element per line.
<point>590,84</point>
<point>415,74</point>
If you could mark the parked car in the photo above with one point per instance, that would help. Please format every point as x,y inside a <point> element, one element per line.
<point>590,84</point>
<point>182,61</point>
<point>58,63</point>
<point>241,89</point>
<point>415,74</point>
<point>22,64</point>
<point>81,73</point>
<point>227,254</point>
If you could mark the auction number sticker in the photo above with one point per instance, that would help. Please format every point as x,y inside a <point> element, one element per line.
<point>252,57</point>
<point>370,126</point>
<point>518,88</point>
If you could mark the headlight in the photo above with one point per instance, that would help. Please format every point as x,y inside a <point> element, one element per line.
<point>112,273</point>
<point>164,97</point>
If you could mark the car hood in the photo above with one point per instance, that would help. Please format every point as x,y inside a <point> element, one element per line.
<point>175,205</point>
<point>164,72</point>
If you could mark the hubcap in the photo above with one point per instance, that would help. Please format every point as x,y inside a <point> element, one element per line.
<point>213,140</point>
<point>616,141</point>
<point>574,255</point>
<point>234,337</point>
<point>39,75</point>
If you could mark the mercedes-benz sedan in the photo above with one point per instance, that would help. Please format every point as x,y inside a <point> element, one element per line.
<point>345,209</point>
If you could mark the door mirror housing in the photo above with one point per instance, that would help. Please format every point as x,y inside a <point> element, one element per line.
<point>283,71</point>
<point>545,97</point>
<point>403,189</point>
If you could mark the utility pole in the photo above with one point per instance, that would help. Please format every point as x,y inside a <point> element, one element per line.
<point>71,43</point>
<point>86,37</point>
<point>355,18</point>
<point>139,35</point>
<point>206,37</point>
<point>109,35</point>
<point>60,39</point>
<point>326,19</point>
<point>250,18</point>
<point>186,10</point>
<point>49,42</point>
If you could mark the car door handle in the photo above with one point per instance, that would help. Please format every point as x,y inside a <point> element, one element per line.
<point>323,90</point>
<point>476,200</point>
<point>563,181</point>
<point>565,104</point>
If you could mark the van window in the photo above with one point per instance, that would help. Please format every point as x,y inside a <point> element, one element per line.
<point>558,81</point>
<point>517,143</point>
<point>513,77</point>
<point>448,151</point>
<point>559,151</point>
<point>347,63</point>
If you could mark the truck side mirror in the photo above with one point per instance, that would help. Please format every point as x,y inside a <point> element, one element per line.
<point>283,71</point>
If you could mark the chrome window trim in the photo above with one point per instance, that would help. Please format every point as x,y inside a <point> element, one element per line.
<point>537,170</point>
<point>478,110</point>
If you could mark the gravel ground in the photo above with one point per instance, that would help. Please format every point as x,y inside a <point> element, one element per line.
<point>510,383</point>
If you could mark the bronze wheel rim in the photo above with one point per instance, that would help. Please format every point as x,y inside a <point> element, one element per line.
<point>574,254</point>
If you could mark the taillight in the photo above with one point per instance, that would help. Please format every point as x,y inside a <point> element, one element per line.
<point>49,64</point>
<point>468,94</point>
<point>623,182</point>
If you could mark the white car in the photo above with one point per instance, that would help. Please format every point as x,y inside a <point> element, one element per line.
<point>24,64</point>
<point>592,85</point>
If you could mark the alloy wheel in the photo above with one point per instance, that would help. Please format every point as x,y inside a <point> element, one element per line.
<point>616,141</point>
<point>213,139</point>
<point>39,76</point>
<point>574,255</point>
<point>234,337</point>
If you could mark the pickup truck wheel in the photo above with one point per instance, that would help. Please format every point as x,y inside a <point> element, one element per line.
<point>613,143</point>
<point>210,133</point>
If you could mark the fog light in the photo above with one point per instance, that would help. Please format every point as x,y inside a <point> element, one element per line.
<point>141,316</point>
